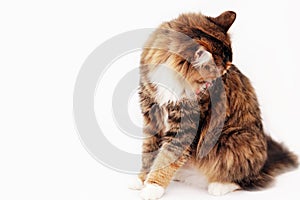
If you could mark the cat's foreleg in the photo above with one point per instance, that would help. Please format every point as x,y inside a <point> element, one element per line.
<point>151,142</point>
<point>150,150</point>
<point>176,149</point>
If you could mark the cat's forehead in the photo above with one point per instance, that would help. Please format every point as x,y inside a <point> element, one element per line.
<point>209,32</point>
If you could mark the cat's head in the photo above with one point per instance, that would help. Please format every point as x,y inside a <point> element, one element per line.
<point>196,46</point>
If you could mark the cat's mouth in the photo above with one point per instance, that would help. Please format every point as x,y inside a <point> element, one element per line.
<point>202,87</point>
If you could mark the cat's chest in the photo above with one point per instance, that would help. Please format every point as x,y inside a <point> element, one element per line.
<point>170,85</point>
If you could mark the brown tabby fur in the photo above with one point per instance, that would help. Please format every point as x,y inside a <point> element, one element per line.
<point>228,147</point>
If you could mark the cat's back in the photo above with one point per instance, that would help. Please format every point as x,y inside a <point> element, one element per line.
<point>242,103</point>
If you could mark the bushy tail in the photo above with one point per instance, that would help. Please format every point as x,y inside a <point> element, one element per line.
<point>279,160</point>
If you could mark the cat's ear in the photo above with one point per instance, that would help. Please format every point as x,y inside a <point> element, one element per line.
<point>225,20</point>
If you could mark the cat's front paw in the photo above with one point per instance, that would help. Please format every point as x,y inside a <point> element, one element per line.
<point>218,189</point>
<point>136,184</point>
<point>152,192</point>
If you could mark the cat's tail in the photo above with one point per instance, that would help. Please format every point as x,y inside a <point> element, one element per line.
<point>279,160</point>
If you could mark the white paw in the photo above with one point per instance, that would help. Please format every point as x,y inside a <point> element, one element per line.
<point>218,189</point>
<point>152,192</point>
<point>136,184</point>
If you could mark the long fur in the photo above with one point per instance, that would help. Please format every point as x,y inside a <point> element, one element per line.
<point>279,160</point>
<point>223,139</point>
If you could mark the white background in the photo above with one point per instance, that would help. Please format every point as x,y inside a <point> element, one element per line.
<point>42,47</point>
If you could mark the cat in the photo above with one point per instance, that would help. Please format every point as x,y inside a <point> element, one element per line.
<point>201,113</point>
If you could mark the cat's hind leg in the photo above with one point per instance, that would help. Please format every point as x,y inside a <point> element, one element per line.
<point>238,156</point>
<point>218,189</point>
<point>190,175</point>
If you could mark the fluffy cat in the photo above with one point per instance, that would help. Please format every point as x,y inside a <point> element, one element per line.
<point>201,112</point>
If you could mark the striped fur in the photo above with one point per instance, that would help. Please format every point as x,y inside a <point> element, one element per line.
<point>223,138</point>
